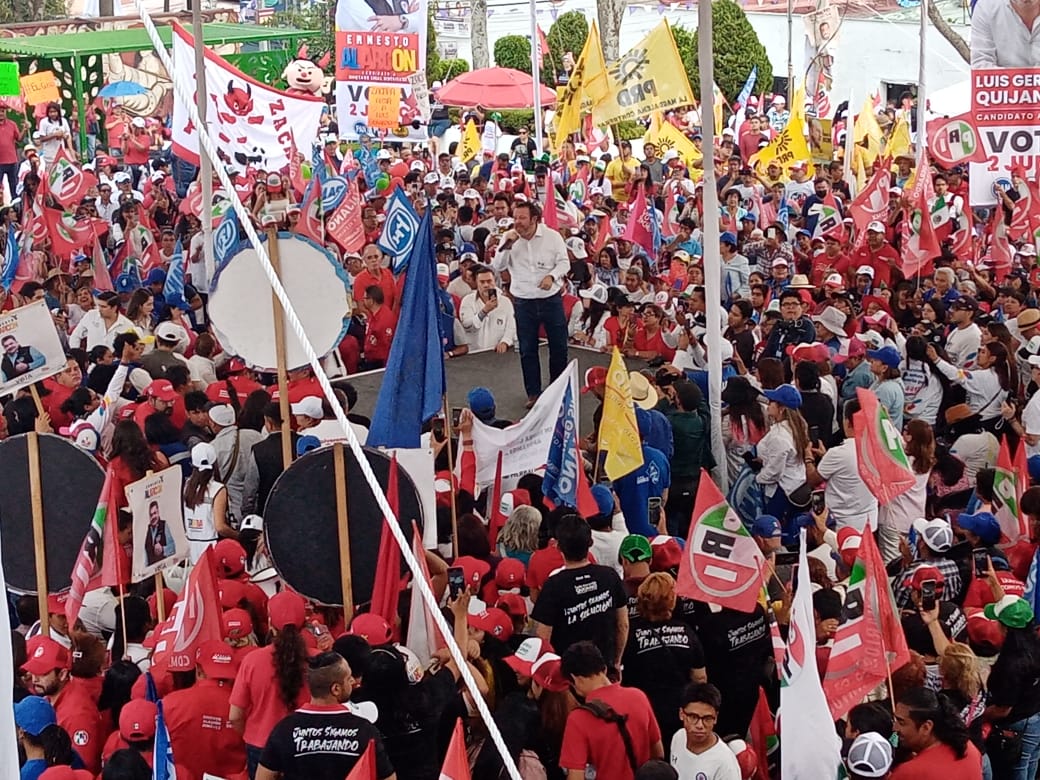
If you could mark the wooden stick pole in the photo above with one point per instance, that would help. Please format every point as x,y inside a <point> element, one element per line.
<point>451,471</point>
<point>279,346</point>
<point>160,599</point>
<point>39,546</point>
<point>36,400</point>
<point>122,617</point>
<point>343,528</point>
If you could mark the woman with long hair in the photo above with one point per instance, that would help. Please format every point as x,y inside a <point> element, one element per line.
<point>117,688</point>
<point>781,453</point>
<point>944,742</point>
<point>252,415</point>
<point>961,674</point>
<point>131,458</point>
<point>923,384</point>
<point>988,385</point>
<point>592,330</point>
<point>272,681</point>
<point>746,423</point>
<point>606,270</point>
<point>519,536</point>
<point>897,516</point>
<point>139,310</point>
<point>205,503</point>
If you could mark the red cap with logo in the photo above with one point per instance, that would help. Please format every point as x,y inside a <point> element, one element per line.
<point>217,393</point>
<point>510,573</point>
<point>161,389</point>
<point>372,628</point>
<point>237,623</point>
<point>594,377</point>
<point>474,570</point>
<point>230,557</point>
<point>45,655</point>
<point>56,603</point>
<point>137,720</point>
<point>492,621</point>
<point>547,673</point>
<point>667,553</point>
<point>217,660</point>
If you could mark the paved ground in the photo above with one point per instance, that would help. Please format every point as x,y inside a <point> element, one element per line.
<point>500,374</point>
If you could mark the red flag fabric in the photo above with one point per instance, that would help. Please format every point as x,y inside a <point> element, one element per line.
<point>870,641</point>
<point>85,567</point>
<point>102,281</point>
<point>955,140</point>
<point>762,735</point>
<point>1021,485</point>
<point>456,763</point>
<point>639,229</point>
<point>67,234</point>
<point>722,563</point>
<point>1001,253</point>
<point>962,240</point>
<point>365,768</point>
<point>671,212</point>
<point>66,179</point>
<point>920,244</point>
<point>543,46</point>
<point>1025,215</point>
<point>387,582</point>
<point>882,463</point>
<point>115,560</point>
<point>494,509</point>
<point>871,203</point>
<point>344,224</point>
<point>1007,490</point>
<point>310,224</point>
<point>587,506</point>
<point>194,619</point>
<point>550,217</point>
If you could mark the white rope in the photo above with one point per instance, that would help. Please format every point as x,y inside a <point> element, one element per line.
<point>418,580</point>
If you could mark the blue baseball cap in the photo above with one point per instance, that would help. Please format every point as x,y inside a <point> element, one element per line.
<point>785,395</point>
<point>983,524</point>
<point>125,283</point>
<point>33,714</point>
<point>728,238</point>
<point>766,526</point>
<point>307,443</point>
<point>790,535</point>
<point>156,276</point>
<point>604,500</point>
<point>482,403</point>
<point>887,355</point>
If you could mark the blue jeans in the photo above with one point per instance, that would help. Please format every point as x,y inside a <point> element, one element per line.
<point>1028,762</point>
<point>532,313</point>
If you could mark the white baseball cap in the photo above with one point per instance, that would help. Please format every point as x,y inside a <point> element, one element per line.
<point>577,246</point>
<point>865,270</point>
<point>309,406</point>
<point>936,533</point>
<point>876,227</point>
<point>223,415</point>
<point>596,292</point>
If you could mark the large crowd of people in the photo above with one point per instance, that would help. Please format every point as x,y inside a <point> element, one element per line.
<point>591,663</point>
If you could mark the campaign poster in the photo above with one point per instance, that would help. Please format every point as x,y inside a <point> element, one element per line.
<point>381,43</point>
<point>30,346</point>
<point>821,41</point>
<point>159,540</point>
<point>1005,98</point>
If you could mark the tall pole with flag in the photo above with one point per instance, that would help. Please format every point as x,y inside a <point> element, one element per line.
<point>710,243</point>
<point>922,92</point>
<point>536,78</point>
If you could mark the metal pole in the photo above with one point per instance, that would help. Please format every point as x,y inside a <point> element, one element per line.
<point>790,53</point>
<point>81,110</point>
<point>205,166</point>
<point>536,78</point>
<point>921,140</point>
<point>712,257</point>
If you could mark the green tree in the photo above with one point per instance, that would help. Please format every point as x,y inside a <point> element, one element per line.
<point>433,57</point>
<point>567,34</point>
<point>319,17</point>
<point>736,50</point>
<point>513,51</point>
<point>32,11</point>
<point>448,69</point>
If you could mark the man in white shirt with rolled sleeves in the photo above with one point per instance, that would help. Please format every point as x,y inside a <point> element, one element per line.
<point>487,316</point>
<point>537,261</point>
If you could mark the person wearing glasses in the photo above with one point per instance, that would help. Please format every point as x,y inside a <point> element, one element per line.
<point>697,750</point>
<point>323,738</point>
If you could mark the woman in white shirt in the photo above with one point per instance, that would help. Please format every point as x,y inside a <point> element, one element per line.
<point>783,450</point>
<point>205,503</point>
<point>594,316</point>
<point>139,311</point>
<point>988,385</point>
<point>896,517</point>
<point>922,384</point>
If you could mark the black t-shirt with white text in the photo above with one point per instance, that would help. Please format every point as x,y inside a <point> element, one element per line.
<point>319,742</point>
<point>580,605</point>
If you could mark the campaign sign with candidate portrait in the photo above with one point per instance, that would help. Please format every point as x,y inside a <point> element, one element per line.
<point>30,349</point>
<point>158,509</point>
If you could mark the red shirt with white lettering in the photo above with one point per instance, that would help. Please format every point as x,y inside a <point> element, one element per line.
<point>200,732</point>
<point>379,333</point>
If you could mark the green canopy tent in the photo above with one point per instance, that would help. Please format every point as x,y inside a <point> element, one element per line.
<point>80,46</point>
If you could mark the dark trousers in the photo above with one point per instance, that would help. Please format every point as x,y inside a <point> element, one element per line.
<point>10,172</point>
<point>682,494</point>
<point>531,314</point>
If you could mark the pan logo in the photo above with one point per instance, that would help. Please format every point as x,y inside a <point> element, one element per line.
<point>400,228</point>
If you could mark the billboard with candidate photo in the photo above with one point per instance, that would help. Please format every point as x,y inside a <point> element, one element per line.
<point>159,540</point>
<point>30,349</point>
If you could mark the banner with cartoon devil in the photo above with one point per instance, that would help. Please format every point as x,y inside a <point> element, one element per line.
<point>381,68</point>
<point>252,124</point>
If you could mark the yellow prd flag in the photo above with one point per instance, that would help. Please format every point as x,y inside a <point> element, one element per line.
<point>718,103</point>
<point>650,77</point>
<point>588,82</point>
<point>898,143</point>
<point>618,430</point>
<point>866,135</point>
<point>470,146</point>
<point>789,146</point>
<point>670,137</point>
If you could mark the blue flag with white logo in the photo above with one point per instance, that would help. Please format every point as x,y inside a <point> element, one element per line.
<point>10,266</point>
<point>1032,592</point>
<point>162,759</point>
<point>560,483</point>
<point>413,385</point>
<point>318,169</point>
<point>749,86</point>
<point>399,231</point>
<point>225,241</point>
<point>173,289</point>
<point>783,211</point>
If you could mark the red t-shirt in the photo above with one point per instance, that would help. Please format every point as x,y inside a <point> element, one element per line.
<point>200,733</point>
<point>590,740</point>
<point>379,334</point>
<point>655,343</point>
<point>77,711</point>
<point>385,280</point>
<point>881,261</point>
<point>256,693</point>
<point>939,763</point>
<point>617,335</point>
<point>299,389</point>
<point>52,403</point>
<point>840,263</point>
<point>980,594</point>
<point>243,386</point>
<point>8,139</point>
<point>543,563</point>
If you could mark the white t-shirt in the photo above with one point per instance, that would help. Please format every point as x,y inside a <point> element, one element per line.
<point>715,763</point>
<point>901,511</point>
<point>962,345</point>
<point>849,500</point>
<point>1031,422</point>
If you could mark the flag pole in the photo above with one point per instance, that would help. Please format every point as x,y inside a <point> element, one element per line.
<point>922,92</point>
<point>205,164</point>
<point>279,347</point>
<point>451,471</point>
<point>343,533</point>
<point>160,597</point>
<point>536,79</point>
<point>39,546</point>
<point>712,257</point>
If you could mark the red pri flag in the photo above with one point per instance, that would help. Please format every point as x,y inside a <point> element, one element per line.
<point>920,244</point>
<point>194,619</point>
<point>550,217</point>
<point>962,240</point>
<point>871,203</point>
<point>870,641</point>
<point>86,565</point>
<point>456,763</point>
<point>423,637</point>
<point>387,582</point>
<point>67,234</point>
<point>496,520</point>
<point>310,224</point>
<point>882,463</point>
<point>639,229</point>
<point>543,46</point>
<point>1025,215</point>
<point>1007,491</point>
<point>66,179</point>
<point>344,224</point>
<point>721,564</point>
<point>1001,254</point>
<point>102,280</point>
<point>365,767</point>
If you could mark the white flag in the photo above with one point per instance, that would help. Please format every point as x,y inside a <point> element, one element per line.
<point>8,742</point>
<point>423,636</point>
<point>811,748</point>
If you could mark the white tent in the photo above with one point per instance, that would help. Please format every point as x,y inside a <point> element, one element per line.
<point>950,101</point>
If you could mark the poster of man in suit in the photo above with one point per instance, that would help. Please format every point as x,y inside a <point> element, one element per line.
<point>30,349</point>
<point>159,540</point>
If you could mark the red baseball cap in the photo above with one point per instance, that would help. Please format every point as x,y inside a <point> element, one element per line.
<point>237,623</point>
<point>474,570</point>
<point>594,377</point>
<point>217,393</point>
<point>45,655</point>
<point>548,674</point>
<point>923,573</point>
<point>530,650</point>
<point>217,660</point>
<point>162,389</point>
<point>513,604</point>
<point>56,603</point>
<point>848,544</point>
<point>235,365</point>
<point>230,557</point>
<point>137,720</point>
<point>493,621</point>
<point>232,593</point>
<point>372,628</point>
<point>287,608</point>
<point>667,553</point>
<point>510,573</point>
